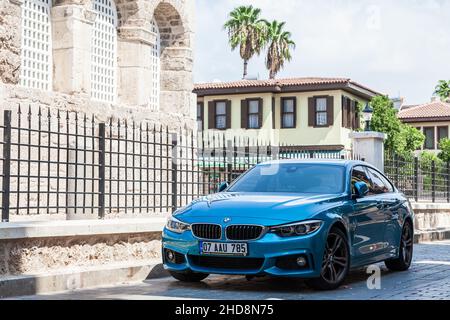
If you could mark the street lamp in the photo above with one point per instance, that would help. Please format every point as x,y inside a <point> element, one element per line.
<point>367,116</point>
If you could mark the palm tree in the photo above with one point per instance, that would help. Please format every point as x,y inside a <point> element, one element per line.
<point>279,46</point>
<point>246,31</point>
<point>443,90</point>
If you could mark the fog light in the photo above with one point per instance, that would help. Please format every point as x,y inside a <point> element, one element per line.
<point>170,256</point>
<point>301,261</point>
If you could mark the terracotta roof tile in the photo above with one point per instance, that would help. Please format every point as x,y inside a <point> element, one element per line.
<point>270,83</point>
<point>436,109</point>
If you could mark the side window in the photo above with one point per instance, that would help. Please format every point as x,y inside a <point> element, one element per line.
<point>380,184</point>
<point>359,174</point>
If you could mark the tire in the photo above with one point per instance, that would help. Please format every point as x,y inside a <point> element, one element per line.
<point>403,262</point>
<point>188,276</point>
<point>335,262</point>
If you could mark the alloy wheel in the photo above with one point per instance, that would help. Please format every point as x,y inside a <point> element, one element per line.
<point>407,244</point>
<point>335,259</point>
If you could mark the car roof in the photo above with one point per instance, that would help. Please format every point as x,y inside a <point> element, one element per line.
<point>338,162</point>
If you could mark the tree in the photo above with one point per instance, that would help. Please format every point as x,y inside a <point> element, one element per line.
<point>401,139</point>
<point>246,31</point>
<point>279,46</point>
<point>444,145</point>
<point>442,89</point>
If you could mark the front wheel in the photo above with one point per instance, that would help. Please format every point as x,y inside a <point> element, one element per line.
<point>403,262</point>
<point>188,276</point>
<point>335,262</point>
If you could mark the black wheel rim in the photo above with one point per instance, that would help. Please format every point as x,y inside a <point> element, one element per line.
<point>335,259</point>
<point>407,244</point>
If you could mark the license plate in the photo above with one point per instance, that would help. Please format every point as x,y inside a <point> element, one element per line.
<point>227,248</point>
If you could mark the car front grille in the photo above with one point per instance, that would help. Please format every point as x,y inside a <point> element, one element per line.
<point>243,232</point>
<point>230,263</point>
<point>207,231</point>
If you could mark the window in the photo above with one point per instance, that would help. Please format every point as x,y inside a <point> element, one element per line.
<point>292,178</point>
<point>359,174</point>
<point>379,183</point>
<point>155,68</point>
<point>36,56</point>
<point>200,116</point>
<point>288,113</point>
<point>221,115</point>
<point>321,112</point>
<point>104,51</point>
<point>442,133</point>
<point>253,114</point>
<point>429,137</point>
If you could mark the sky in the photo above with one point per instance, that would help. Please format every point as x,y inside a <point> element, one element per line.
<point>396,47</point>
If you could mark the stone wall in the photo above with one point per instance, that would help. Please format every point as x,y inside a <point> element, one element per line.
<point>72,23</point>
<point>9,41</point>
<point>44,255</point>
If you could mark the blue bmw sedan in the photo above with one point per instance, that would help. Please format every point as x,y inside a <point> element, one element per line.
<point>312,219</point>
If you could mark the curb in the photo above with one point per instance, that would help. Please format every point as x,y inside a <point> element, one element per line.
<point>432,236</point>
<point>25,285</point>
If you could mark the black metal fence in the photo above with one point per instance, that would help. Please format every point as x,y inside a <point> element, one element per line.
<point>420,179</point>
<point>62,162</point>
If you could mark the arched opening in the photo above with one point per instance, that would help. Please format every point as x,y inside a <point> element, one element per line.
<point>176,57</point>
<point>36,55</point>
<point>155,68</point>
<point>104,52</point>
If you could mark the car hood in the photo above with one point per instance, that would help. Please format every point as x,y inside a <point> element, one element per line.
<point>259,208</point>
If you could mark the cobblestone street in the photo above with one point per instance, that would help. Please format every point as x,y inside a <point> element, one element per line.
<point>429,278</point>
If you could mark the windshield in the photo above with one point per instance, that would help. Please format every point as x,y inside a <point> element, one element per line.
<point>292,178</point>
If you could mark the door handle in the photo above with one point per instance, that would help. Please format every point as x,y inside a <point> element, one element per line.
<point>380,205</point>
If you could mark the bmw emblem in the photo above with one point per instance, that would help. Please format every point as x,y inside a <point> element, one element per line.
<point>226,220</point>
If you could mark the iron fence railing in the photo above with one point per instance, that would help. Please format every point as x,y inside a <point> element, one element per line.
<point>419,179</point>
<point>56,161</point>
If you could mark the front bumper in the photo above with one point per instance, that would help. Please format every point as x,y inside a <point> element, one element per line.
<point>267,250</point>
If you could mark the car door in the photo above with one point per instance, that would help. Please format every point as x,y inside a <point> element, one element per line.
<point>367,221</point>
<point>390,206</point>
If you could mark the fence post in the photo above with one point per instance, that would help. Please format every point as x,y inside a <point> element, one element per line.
<point>174,171</point>
<point>101,171</point>
<point>448,181</point>
<point>416,179</point>
<point>6,164</point>
<point>433,181</point>
<point>229,153</point>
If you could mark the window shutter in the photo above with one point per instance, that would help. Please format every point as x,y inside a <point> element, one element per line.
<point>357,122</point>
<point>311,113</point>
<point>273,112</point>
<point>260,112</point>
<point>244,114</point>
<point>202,115</point>
<point>211,115</point>
<point>228,110</point>
<point>281,112</point>
<point>344,112</point>
<point>352,117</point>
<point>349,113</point>
<point>330,110</point>
<point>295,112</point>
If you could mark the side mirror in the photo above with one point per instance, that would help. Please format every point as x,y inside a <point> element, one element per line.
<point>361,189</point>
<point>222,186</point>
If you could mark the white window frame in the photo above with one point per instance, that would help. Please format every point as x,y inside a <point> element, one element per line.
<point>36,69</point>
<point>104,52</point>
<point>155,68</point>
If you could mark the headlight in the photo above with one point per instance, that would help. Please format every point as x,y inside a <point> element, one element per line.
<point>177,226</point>
<point>297,229</point>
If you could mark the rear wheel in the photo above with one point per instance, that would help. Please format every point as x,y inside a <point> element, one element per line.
<point>403,262</point>
<point>335,262</point>
<point>188,276</point>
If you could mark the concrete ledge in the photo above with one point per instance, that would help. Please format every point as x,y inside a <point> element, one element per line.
<point>80,278</point>
<point>45,229</point>
<point>431,236</point>
<point>430,205</point>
